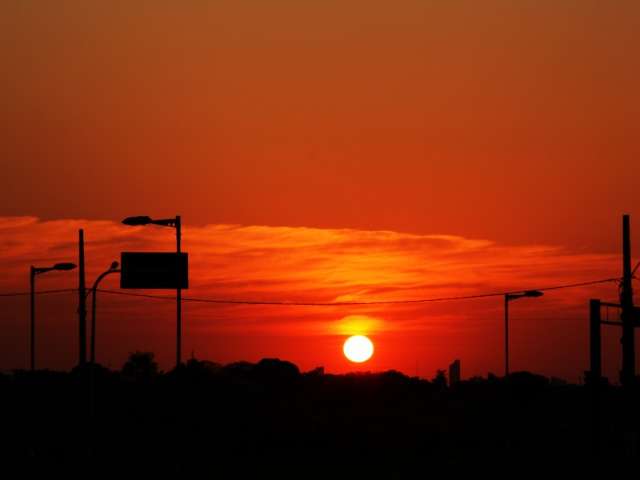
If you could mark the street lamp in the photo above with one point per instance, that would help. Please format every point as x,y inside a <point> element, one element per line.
<point>508,297</point>
<point>33,272</point>
<point>175,223</point>
<point>112,269</point>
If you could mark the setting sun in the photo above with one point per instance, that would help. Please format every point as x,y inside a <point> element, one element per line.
<point>358,348</point>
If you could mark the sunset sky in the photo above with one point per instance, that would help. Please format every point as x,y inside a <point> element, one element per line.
<point>323,151</point>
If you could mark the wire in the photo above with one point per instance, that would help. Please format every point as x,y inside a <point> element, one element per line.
<point>319,304</point>
<point>39,292</point>
<point>575,285</point>
<point>340,304</point>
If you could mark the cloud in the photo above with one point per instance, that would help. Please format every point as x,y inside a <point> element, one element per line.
<point>265,263</point>
<point>306,264</point>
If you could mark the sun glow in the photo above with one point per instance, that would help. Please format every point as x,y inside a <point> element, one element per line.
<point>358,348</point>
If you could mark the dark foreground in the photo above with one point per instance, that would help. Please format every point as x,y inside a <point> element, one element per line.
<point>264,416</point>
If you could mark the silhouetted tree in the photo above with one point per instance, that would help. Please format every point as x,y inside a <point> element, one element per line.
<point>144,420</point>
<point>275,369</point>
<point>440,380</point>
<point>140,366</point>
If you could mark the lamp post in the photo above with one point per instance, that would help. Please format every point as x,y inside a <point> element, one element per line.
<point>32,326</point>
<point>508,297</point>
<point>175,223</point>
<point>112,269</point>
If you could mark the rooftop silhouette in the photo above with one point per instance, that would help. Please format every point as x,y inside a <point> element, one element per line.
<point>203,413</point>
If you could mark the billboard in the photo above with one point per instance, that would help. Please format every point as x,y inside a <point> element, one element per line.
<point>154,270</point>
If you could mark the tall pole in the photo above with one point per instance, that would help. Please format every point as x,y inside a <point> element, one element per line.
<point>506,336</point>
<point>92,348</point>
<point>178,296</point>
<point>595,342</point>
<point>94,290</point>
<point>82,304</point>
<point>595,372</point>
<point>626,300</point>
<point>32,323</point>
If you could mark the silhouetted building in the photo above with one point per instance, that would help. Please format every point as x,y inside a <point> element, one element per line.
<point>454,372</point>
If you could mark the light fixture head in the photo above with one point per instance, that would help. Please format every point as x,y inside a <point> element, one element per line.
<point>533,293</point>
<point>64,266</point>
<point>136,221</point>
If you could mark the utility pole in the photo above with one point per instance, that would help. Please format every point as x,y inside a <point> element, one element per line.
<point>33,271</point>
<point>506,336</point>
<point>178,225</point>
<point>82,304</point>
<point>32,329</point>
<point>594,377</point>
<point>595,342</point>
<point>508,297</point>
<point>628,373</point>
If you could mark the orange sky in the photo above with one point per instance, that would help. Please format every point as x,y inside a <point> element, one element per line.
<point>510,121</point>
<point>296,264</point>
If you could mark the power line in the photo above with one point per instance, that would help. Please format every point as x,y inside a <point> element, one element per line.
<point>576,285</point>
<point>39,292</point>
<point>318,304</point>
<point>313,304</point>
<point>340,304</point>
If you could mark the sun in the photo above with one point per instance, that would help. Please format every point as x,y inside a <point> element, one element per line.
<point>358,348</point>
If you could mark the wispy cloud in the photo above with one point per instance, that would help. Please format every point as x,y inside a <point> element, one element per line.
<point>309,265</point>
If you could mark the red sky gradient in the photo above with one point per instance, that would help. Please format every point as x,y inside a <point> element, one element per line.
<point>261,263</point>
<point>360,146</point>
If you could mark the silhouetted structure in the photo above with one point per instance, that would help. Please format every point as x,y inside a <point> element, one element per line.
<point>177,224</point>
<point>113,268</point>
<point>203,414</point>
<point>510,297</point>
<point>33,272</point>
<point>630,319</point>
<point>454,373</point>
<point>82,302</point>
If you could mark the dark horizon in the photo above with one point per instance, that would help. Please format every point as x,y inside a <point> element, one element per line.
<point>204,413</point>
